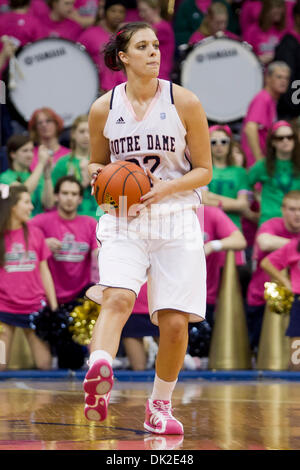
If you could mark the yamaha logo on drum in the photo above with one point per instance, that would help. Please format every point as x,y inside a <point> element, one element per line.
<point>217,55</point>
<point>29,60</point>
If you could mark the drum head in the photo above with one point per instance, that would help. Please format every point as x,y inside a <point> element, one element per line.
<point>54,73</point>
<point>225,75</point>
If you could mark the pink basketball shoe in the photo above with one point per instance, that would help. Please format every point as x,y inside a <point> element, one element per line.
<point>97,385</point>
<point>159,418</point>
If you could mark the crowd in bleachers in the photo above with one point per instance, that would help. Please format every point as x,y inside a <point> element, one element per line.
<point>48,249</point>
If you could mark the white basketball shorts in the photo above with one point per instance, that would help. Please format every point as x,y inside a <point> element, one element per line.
<point>166,251</point>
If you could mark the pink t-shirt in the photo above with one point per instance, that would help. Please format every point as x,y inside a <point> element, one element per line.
<point>288,256</point>
<point>217,225</point>
<point>166,37</point>
<point>21,287</point>
<point>249,15</point>
<point>141,303</point>
<point>275,226</point>
<point>263,111</point>
<point>22,26</point>
<point>198,36</point>
<point>65,29</point>
<point>250,12</point>
<point>263,42</point>
<point>93,39</point>
<point>71,266</point>
<point>56,156</point>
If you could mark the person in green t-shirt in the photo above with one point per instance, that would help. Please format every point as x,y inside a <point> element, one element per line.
<point>279,172</point>
<point>38,182</point>
<point>229,186</point>
<point>76,164</point>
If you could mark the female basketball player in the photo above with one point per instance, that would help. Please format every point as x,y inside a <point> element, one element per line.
<point>151,122</point>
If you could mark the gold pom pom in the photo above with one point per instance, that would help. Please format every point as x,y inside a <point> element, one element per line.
<point>1,328</point>
<point>84,318</point>
<point>278,297</point>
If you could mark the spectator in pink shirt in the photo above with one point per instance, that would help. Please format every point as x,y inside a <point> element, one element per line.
<point>270,29</point>
<point>58,23</point>
<point>95,37</point>
<point>262,112</point>
<point>214,22</point>
<point>45,126</point>
<point>272,235</point>
<point>18,27</point>
<point>150,12</point>
<point>26,282</point>
<point>71,239</point>
<point>83,12</point>
<point>251,10</point>
<point>288,257</point>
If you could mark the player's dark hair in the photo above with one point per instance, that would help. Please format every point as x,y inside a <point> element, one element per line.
<point>6,205</point>
<point>70,179</point>
<point>119,42</point>
<point>14,143</point>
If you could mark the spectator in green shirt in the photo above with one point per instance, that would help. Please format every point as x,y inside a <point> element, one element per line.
<point>229,186</point>
<point>279,172</point>
<point>76,164</point>
<point>38,182</point>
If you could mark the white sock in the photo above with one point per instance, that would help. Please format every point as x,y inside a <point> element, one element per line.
<point>100,354</point>
<point>162,390</point>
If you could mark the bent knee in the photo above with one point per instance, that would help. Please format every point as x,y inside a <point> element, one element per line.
<point>118,300</point>
<point>176,328</point>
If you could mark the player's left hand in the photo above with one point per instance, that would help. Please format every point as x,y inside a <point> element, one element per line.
<point>159,190</point>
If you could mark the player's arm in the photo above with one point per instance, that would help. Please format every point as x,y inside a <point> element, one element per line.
<point>98,143</point>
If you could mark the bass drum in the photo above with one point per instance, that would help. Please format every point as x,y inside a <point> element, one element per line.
<point>225,75</point>
<point>54,73</point>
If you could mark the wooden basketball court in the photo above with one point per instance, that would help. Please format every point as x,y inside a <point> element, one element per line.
<point>48,415</point>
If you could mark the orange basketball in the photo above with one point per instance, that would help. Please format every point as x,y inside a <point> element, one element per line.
<point>119,179</point>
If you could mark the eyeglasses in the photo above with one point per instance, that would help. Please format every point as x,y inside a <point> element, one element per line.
<point>220,142</point>
<point>280,138</point>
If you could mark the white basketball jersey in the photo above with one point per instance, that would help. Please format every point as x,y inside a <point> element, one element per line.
<point>156,142</point>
